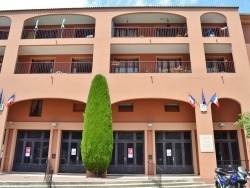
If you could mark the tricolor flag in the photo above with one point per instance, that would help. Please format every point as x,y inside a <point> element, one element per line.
<point>10,101</point>
<point>192,100</point>
<point>203,98</point>
<point>214,100</point>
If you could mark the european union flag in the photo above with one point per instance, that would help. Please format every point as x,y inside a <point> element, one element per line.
<point>203,98</point>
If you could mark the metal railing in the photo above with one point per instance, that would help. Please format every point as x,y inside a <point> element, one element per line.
<point>4,34</point>
<point>149,32</point>
<point>220,66</point>
<point>53,67</point>
<point>48,173</point>
<point>155,173</point>
<point>58,33</point>
<point>150,66</point>
<point>215,32</point>
<point>233,163</point>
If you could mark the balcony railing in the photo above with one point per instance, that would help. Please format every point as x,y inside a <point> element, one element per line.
<point>53,67</point>
<point>150,67</point>
<point>4,34</point>
<point>149,32</point>
<point>215,32</point>
<point>220,66</point>
<point>58,33</point>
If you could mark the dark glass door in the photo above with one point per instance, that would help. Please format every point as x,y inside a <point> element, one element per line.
<point>71,158</point>
<point>227,149</point>
<point>128,153</point>
<point>31,151</point>
<point>174,152</point>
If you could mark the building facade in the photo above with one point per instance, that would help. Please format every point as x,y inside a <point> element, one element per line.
<point>153,58</point>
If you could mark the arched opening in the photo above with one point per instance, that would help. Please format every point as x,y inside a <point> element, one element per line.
<point>4,27</point>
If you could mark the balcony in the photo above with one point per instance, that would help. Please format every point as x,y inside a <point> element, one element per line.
<point>4,34</point>
<point>214,25</point>
<point>46,27</point>
<point>53,67</point>
<point>220,66</point>
<point>150,31</point>
<point>58,33</point>
<point>149,25</point>
<point>160,66</point>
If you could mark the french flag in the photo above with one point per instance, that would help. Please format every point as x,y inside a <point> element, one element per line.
<point>10,101</point>
<point>214,100</point>
<point>192,100</point>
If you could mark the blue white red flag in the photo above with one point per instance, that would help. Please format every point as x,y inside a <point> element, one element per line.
<point>192,100</point>
<point>214,100</point>
<point>203,98</point>
<point>10,101</point>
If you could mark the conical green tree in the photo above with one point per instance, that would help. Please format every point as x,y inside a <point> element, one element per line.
<point>97,141</point>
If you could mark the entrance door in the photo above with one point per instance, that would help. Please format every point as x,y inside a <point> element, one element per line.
<point>227,149</point>
<point>71,158</point>
<point>128,153</point>
<point>174,152</point>
<point>31,151</point>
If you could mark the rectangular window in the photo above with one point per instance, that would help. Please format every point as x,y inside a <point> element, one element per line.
<point>36,108</point>
<point>172,107</point>
<point>125,108</point>
<point>79,107</point>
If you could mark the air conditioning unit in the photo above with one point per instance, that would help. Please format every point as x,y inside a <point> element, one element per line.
<point>1,107</point>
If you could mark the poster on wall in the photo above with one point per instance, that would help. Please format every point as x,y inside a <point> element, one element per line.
<point>27,152</point>
<point>73,151</point>
<point>130,152</point>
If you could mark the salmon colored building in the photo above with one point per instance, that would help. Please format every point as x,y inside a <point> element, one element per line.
<point>153,58</point>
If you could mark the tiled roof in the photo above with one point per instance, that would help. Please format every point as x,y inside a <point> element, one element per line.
<point>119,7</point>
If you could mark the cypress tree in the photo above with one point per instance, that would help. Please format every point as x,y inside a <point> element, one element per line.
<point>97,140</point>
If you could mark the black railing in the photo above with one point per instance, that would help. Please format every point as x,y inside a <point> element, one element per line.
<point>4,34</point>
<point>48,173</point>
<point>155,173</point>
<point>233,163</point>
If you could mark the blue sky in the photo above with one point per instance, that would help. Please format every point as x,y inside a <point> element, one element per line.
<point>244,5</point>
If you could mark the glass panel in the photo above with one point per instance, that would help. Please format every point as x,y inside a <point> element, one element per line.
<point>139,154</point>
<point>225,151</point>
<point>64,153</point>
<point>19,152</point>
<point>235,151</point>
<point>233,134</point>
<point>169,154</point>
<point>173,135</point>
<point>158,135</point>
<point>112,162</point>
<point>34,134</point>
<point>46,134</point>
<point>45,149</point>
<point>120,153</point>
<point>187,135</point>
<point>73,153</point>
<point>125,135</point>
<point>188,154</point>
<point>159,154</point>
<point>65,135</point>
<point>220,135</point>
<point>139,136</point>
<point>20,134</point>
<point>130,156</point>
<point>76,135</point>
<point>218,153</point>
<point>36,154</point>
<point>27,152</point>
<point>80,155</point>
<point>178,154</point>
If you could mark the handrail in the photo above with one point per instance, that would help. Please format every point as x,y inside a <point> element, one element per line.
<point>152,169</point>
<point>48,173</point>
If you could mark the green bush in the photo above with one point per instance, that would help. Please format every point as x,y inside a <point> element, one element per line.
<point>97,141</point>
<point>244,121</point>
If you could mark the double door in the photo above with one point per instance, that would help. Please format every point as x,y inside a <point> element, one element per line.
<point>71,158</point>
<point>174,152</point>
<point>31,151</point>
<point>128,153</point>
